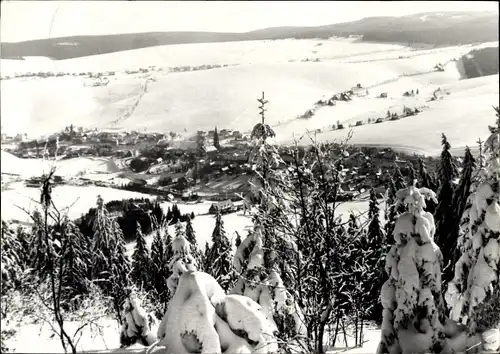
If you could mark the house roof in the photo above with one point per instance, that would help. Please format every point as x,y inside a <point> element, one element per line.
<point>210,148</point>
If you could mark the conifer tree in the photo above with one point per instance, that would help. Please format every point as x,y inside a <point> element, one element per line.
<point>158,212</point>
<point>412,175</point>
<point>205,266</point>
<point>399,181</point>
<point>24,240</point>
<point>262,130</point>
<point>10,251</point>
<point>141,260</point>
<point>265,286</point>
<point>376,247</point>
<point>169,252</point>
<point>426,180</point>
<point>447,171</point>
<point>109,259</point>
<point>460,199</point>
<point>390,211</point>
<point>191,237</point>
<point>169,214</point>
<point>411,297</point>
<point>237,242</point>
<point>176,214</point>
<point>168,256</point>
<point>474,294</point>
<point>219,258</point>
<point>182,259</point>
<point>39,250</point>
<point>157,260</point>
<point>76,259</point>
<point>216,139</point>
<point>159,275</point>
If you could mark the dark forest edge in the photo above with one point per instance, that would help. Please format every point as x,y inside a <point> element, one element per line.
<point>449,29</point>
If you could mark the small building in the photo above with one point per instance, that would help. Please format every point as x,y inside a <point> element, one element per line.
<point>223,207</point>
<point>211,150</point>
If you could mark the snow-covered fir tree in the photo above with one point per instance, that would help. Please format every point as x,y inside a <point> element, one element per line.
<point>458,206</point>
<point>262,130</point>
<point>219,259</point>
<point>110,262</point>
<point>136,327</point>
<point>40,248</point>
<point>182,260</point>
<point>11,266</point>
<point>76,259</point>
<point>474,294</point>
<point>411,297</point>
<point>191,237</point>
<point>399,181</point>
<point>159,274</point>
<point>390,210</point>
<point>412,175</point>
<point>266,287</point>
<point>141,264</point>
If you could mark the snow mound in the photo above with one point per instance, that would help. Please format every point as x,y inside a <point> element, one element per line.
<point>201,318</point>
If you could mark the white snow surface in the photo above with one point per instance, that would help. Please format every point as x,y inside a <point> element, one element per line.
<point>202,317</point>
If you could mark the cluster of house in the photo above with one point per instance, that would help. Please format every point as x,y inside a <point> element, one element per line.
<point>225,207</point>
<point>11,139</point>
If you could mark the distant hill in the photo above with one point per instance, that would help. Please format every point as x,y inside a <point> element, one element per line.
<point>448,28</point>
<point>481,62</point>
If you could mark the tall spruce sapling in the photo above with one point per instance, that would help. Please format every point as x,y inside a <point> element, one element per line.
<point>427,180</point>
<point>158,275</point>
<point>458,207</point>
<point>216,139</point>
<point>191,237</point>
<point>219,259</point>
<point>444,215</point>
<point>390,210</point>
<point>375,246</point>
<point>141,266</point>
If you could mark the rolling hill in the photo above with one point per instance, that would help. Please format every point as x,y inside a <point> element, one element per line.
<point>447,28</point>
<point>163,101</point>
<point>463,116</point>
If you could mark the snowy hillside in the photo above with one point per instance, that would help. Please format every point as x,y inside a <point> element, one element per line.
<point>223,97</point>
<point>461,115</point>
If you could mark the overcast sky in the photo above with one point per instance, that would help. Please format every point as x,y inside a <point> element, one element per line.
<point>25,20</point>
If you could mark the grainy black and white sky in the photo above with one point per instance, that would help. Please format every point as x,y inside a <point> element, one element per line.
<point>26,20</point>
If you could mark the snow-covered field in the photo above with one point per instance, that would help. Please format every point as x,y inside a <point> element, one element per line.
<point>226,96</point>
<point>108,340</point>
<point>247,52</point>
<point>68,168</point>
<point>73,200</point>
